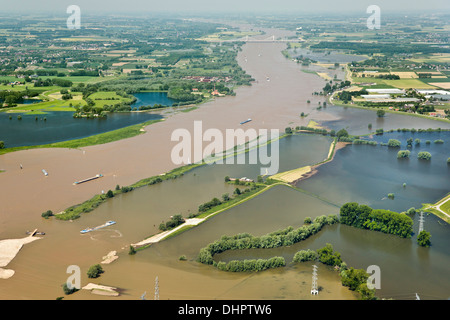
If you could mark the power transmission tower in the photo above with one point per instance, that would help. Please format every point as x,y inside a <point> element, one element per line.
<point>143,295</point>
<point>421,221</point>
<point>314,290</point>
<point>156,288</point>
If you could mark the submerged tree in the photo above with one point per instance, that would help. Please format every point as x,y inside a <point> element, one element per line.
<point>95,271</point>
<point>403,154</point>
<point>423,239</point>
<point>424,155</point>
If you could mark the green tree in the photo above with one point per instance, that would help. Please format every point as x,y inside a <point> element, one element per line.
<point>423,239</point>
<point>132,251</point>
<point>2,145</point>
<point>424,155</point>
<point>95,271</point>
<point>342,133</point>
<point>353,278</point>
<point>68,290</point>
<point>381,113</point>
<point>47,214</point>
<point>365,292</point>
<point>305,255</point>
<point>327,256</point>
<point>288,130</point>
<point>110,194</point>
<point>393,143</point>
<point>225,197</point>
<point>403,154</point>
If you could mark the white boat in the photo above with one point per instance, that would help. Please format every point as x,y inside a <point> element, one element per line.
<point>248,120</point>
<point>106,224</point>
<point>44,172</point>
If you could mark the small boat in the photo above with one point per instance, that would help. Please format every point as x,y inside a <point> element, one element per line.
<point>86,230</point>
<point>106,224</point>
<point>248,120</point>
<point>40,233</point>
<point>44,172</point>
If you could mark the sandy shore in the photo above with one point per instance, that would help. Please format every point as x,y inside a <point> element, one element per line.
<point>158,237</point>
<point>110,257</point>
<point>101,290</point>
<point>8,250</point>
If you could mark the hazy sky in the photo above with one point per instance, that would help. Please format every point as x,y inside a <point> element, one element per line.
<point>232,6</point>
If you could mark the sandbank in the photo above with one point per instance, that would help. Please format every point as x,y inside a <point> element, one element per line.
<point>8,250</point>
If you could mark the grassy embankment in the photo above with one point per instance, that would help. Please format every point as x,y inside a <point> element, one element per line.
<point>74,212</point>
<point>443,204</point>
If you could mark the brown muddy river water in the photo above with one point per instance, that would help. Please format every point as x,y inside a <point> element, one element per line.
<point>41,266</point>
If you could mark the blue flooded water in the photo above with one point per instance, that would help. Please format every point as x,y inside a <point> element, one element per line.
<point>367,174</point>
<point>152,98</point>
<point>61,126</point>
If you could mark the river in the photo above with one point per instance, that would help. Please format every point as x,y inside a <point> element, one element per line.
<point>41,266</point>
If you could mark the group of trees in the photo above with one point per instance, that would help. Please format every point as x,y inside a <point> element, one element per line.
<point>11,98</point>
<point>284,237</point>
<point>95,271</point>
<point>326,255</point>
<point>424,155</point>
<point>208,205</point>
<point>152,107</point>
<point>53,82</point>
<point>174,222</point>
<point>394,143</point>
<point>364,217</point>
<point>305,255</point>
<point>47,214</point>
<point>403,154</point>
<point>424,238</point>
<point>346,96</point>
<point>251,264</point>
<point>356,280</point>
<point>328,88</point>
<point>389,76</point>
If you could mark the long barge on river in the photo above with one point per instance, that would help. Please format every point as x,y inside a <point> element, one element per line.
<point>106,224</point>
<point>89,179</point>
